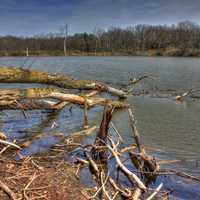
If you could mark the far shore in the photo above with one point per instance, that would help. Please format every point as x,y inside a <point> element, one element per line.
<point>147,53</point>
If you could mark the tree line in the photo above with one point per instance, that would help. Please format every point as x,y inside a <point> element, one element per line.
<point>182,39</point>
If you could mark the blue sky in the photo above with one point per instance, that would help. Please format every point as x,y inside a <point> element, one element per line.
<point>34,17</point>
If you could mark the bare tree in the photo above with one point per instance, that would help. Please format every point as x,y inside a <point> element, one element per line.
<point>65,40</point>
<point>182,39</point>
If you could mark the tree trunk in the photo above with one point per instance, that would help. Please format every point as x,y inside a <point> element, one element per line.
<point>102,135</point>
<point>13,96</point>
<point>19,75</point>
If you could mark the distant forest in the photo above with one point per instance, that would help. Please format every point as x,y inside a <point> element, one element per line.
<point>182,39</point>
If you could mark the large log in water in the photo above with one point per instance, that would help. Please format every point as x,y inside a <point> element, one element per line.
<point>19,75</point>
<point>102,135</point>
<point>9,97</point>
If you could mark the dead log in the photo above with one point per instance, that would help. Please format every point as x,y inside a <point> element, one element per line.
<point>135,132</point>
<point>86,124</point>
<point>124,169</point>
<point>9,143</point>
<point>137,80</point>
<point>137,193</point>
<point>123,193</point>
<point>157,190</point>
<point>103,131</point>
<point>190,93</point>
<point>19,75</point>
<point>102,135</point>
<point>33,104</point>
<point>10,97</point>
<point>8,191</point>
<point>145,163</point>
<point>182,96</point>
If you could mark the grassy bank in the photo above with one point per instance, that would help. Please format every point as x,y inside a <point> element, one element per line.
<point>173,52</point>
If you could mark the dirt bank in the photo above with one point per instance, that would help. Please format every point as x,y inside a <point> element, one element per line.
<point>45,177</point>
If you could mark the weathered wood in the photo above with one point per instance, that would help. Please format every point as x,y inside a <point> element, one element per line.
<point>123,193</point>
<point>103,130</point>
<point>137,80</point>
<point>145,163</point>
<point>136,134</point>
<point>30,104</point>
<point>8,191</point>
<point>9,143</point>
<point>189,93</point>
<point>9,97</point>
<point>134,178</point>
<point>157,190</point>
<point>102,135</point>
<point>86,124</point>
<point>19,75</point>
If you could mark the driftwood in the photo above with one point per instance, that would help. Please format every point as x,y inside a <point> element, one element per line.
<point>155,192</point>
<point>8,191</point>
<point>190,93</point>
<point>102,135</point>
<point>9,143</point>
<point>182,96</point>
<point>123,193</point>
<point>130,175</point>
<point>10,97</point>
<point>135,131</point>
<point>145,163</point>
<point>32,104</point>
<point>19,75</point>
<point>137,80</point>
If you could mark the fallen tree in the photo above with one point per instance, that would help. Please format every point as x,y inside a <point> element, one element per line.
<point>11,97</point>
<point>19,75</point>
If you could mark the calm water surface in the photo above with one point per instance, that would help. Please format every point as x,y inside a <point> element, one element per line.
<point>169,127</point>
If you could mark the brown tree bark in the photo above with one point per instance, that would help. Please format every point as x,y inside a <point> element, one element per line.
<point>102,135</point>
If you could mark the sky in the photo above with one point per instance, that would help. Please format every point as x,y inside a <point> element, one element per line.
<point>35,17</point>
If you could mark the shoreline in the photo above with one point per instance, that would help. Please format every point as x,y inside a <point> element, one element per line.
<point>44,177</point>
<point>188,53</point>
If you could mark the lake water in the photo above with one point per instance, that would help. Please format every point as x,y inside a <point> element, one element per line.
<point>171,128</point>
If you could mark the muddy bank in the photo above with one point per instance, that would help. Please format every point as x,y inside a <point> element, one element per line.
<point>46,177</point>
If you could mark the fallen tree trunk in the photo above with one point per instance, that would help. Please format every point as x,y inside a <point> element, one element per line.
<point>9,97</point>
<point>102,136</point>
<point>30,104</point>
<point>19,75</point>
<point>145,163</point>
<point>125,170</point>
